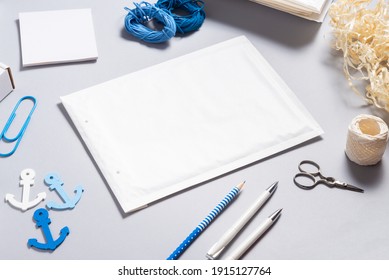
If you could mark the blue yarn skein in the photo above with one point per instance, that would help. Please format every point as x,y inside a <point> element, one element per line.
<point>185,23</point>
<point>136,18</point>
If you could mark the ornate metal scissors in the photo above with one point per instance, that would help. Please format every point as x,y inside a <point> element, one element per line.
<point>306,178</point>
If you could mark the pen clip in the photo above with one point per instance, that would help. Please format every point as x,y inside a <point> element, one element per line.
<point>213,255</point>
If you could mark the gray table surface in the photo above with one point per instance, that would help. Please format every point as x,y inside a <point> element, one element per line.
<point>320,224</point>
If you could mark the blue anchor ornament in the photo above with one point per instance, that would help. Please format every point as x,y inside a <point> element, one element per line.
<point>55,183</point>
<point>27,181</point>
<point>41,217</point>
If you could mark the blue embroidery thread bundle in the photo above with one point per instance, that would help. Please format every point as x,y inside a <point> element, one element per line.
<point>144,12</point>
<point>137,18</point>
<point>185,23</point>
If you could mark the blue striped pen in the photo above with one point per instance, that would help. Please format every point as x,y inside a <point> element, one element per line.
<point>203,225</point>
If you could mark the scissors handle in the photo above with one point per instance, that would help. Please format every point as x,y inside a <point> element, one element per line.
<point>305,181</point>
<point>309,166</point>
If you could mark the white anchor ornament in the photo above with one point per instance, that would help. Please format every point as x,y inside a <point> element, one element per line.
<point>26,181</point>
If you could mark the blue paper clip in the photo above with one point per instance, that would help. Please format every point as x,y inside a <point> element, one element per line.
<point>18,137</point>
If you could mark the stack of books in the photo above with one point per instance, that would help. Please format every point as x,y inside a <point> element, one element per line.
<point>314,10</point>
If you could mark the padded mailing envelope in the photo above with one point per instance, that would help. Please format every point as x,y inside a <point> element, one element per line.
<point>171,126</point>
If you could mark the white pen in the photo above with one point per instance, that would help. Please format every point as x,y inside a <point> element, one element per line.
<point>242,248</point>
<point>219,246</point>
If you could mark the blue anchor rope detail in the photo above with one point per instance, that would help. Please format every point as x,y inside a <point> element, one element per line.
<point>41,217</point>
<point>55,183</point>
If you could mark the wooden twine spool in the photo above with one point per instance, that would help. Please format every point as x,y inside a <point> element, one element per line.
<point>366,140</point>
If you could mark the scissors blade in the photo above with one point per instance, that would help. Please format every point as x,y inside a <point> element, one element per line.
<point>354,188</point>
<point>349,187</point>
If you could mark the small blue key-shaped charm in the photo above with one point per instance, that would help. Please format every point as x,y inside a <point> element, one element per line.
<point>55,183</point>
<point>41,217</point>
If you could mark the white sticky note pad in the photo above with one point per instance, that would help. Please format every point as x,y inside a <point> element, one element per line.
<point>49,37</point>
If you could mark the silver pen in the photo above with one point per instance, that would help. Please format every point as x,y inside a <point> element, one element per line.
<point>242,248</point>
<point>219,246</point>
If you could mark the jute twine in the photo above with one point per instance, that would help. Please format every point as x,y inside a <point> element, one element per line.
<point>366,139</point>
